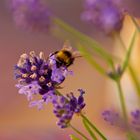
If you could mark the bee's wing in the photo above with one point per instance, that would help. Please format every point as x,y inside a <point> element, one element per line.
<point>67,46</point>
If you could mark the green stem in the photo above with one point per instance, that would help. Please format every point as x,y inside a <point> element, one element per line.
<point>73,137</point>
<point>93,127</point>
<point>80,133</point>
<point>87,40</point>
<point>135,23</point>
<point>58,93</point>
<point>89,130</point>
<point>122,100</point>
<point>130,68</point>
<point>128,53</point>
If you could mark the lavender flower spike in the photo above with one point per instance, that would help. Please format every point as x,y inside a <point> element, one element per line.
<point>66,107</point>
<point>62,110</point>
<point>113,118</point>
<point>38,76</point>
<point>30,14</point>
<point>106,14</point>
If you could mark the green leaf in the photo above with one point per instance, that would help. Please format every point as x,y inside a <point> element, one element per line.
<point>89,130</point>
<point>74,137</point>
<point>136,24</point>
<point>94,127</point>
<point>128,54</point>
<point>91,60</point>
<point>79,132</point>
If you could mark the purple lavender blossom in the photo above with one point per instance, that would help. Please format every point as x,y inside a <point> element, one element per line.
<point>29,90</point>
<point>38,76</point>
<point>31,14</point>
<point>113,118</point>
<point>57,75</point>
<point>106,14</point>
<point>66,107</point>
<point>77,104</point>
<point>48,97</point>
<point>62,110</point>
<point>136,119</point>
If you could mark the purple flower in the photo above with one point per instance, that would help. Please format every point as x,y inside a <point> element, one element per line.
<point>31,14</point>
<point>57,75</point>
<point>38,76</point>
<point>77,104</point>
<point>113,118</point>
<point>66,107</point>
<point>38,103</point>
<point>105,14</point>
<point>62,110</point>
<point>29,90</point>
<point>46,98</point>
<point>136,119</point>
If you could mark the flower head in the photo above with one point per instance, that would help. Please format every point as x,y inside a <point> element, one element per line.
<point>105,14</point>
<point>38,76</point>
<point>66,107</point>
<point>31,14</point>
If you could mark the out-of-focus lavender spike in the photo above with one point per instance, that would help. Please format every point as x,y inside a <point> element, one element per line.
<point>31,15</point>
<point>106,14</point>
<point>136,119</point>
<point>113,118</point>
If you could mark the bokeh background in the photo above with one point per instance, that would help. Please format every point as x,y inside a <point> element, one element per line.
<point>17,121</point>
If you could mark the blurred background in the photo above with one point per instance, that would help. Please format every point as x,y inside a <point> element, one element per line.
<point>17,121</point>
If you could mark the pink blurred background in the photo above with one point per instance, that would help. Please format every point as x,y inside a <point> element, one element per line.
<point>17,121</point>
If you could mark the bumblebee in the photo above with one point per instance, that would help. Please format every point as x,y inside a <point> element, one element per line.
<point>65,57</point>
